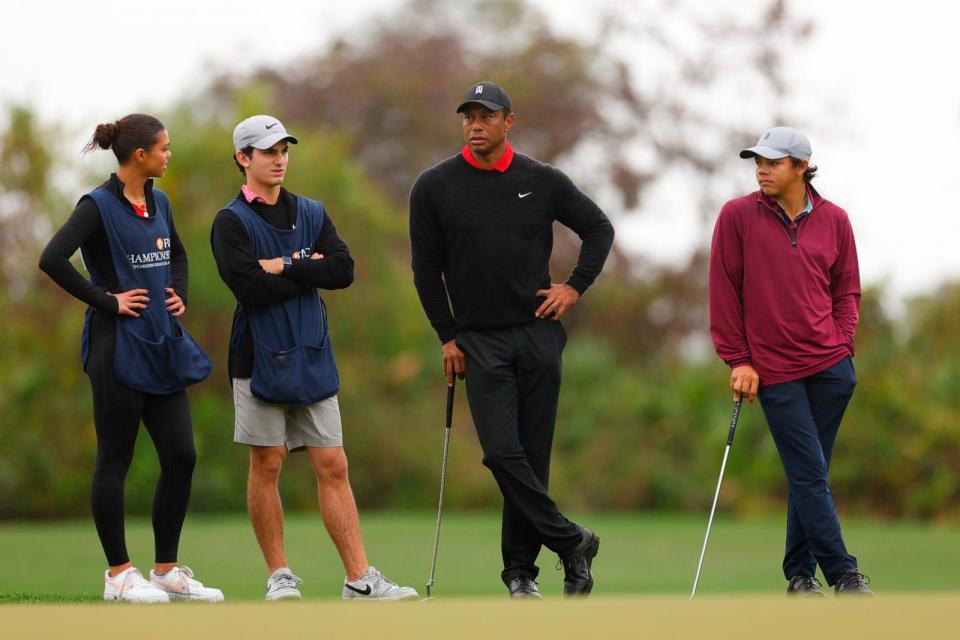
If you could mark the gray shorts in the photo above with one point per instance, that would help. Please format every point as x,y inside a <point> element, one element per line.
<point>266,424</point>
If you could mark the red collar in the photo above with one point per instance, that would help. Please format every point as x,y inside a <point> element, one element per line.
<point>500,165</point>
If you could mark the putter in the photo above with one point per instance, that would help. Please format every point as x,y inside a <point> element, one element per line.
<point>723,465</point>
<point>443,476</point>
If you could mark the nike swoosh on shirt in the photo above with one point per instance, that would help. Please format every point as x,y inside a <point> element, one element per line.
<point>362,592</point>
<point>524,195</point>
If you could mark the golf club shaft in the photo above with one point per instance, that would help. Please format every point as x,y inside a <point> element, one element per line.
<point>443,476</point>
<point>703,550</point>
<point>716,495</point>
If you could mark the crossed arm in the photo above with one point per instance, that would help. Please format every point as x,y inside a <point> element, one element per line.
<point>260,282</point>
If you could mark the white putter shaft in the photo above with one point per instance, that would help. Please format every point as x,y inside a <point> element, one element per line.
<point>443,477</point>
<point>716,495</point>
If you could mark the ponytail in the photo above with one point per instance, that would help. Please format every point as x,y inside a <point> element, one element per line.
<point>126,135</point>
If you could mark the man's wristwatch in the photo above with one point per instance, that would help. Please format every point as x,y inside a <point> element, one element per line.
<point>287,263</point>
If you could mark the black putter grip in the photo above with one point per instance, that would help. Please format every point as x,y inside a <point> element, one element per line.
<point>733,421</point>
<point>450,390</point>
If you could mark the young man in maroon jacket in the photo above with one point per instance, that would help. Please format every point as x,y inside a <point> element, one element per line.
<point>784,305</point>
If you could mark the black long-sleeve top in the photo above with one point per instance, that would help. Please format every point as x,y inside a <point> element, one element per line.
<point>240,268</point>
<point>84,229</point>
<point>485,238</point>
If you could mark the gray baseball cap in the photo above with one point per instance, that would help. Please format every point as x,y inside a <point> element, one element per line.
<point>260,132</point>
<point>780,142</point>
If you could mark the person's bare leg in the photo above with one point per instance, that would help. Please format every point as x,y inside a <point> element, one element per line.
<point>338,508</point>
<point>263,503</point>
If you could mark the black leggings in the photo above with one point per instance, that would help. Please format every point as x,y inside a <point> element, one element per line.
<point>117,413</point>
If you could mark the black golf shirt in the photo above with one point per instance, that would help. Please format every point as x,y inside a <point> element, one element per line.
<point>485,238</point>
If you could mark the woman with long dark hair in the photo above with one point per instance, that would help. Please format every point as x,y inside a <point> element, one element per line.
<point>137,355</point>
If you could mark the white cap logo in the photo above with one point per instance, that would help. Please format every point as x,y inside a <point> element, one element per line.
<point>479,90</point>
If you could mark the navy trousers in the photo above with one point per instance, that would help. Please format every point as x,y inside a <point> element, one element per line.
<point>513,386</point>
<point>803,417</point>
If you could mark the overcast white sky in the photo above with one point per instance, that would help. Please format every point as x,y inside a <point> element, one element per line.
<point>887,156</point>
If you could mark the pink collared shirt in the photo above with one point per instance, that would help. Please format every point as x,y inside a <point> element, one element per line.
<point>250,195</point>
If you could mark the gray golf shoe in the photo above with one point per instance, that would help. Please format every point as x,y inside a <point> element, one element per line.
<point>282,585</point>
<point>373,585</point>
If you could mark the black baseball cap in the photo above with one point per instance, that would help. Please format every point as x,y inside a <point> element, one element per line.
<point>489,94</point>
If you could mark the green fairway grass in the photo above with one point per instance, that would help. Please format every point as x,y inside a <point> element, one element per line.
<point>639,554</point>
<point>656,617</point>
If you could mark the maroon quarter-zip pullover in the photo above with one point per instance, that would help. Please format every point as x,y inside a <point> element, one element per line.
<point>784,295</point>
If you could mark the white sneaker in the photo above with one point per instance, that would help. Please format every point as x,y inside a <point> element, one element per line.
<point>179,584</point>
<point>130,586</point>
<point>373,585</point>
<point>282,585</point>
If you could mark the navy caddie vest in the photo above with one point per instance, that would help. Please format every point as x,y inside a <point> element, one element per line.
<point>154,353</point>
<point>293,360</point>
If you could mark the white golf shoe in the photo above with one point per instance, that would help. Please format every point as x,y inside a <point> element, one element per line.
<point>179,584</point>
<point>130,586</point>
<point>282,585</point>
<point>373,585</point>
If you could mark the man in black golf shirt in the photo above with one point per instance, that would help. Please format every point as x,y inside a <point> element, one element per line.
<point>481,230</point>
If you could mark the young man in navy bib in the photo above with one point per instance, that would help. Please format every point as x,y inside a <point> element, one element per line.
<point>481,231</point>
<point>275,249</point>
<point>784,306</point>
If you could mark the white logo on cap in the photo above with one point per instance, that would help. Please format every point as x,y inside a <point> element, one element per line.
<point>479,90</point>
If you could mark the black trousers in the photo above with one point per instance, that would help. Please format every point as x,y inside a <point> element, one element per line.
<point>117,413</point>
<point>513,385</point>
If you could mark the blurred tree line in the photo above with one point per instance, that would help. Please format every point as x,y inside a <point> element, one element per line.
<point>644,408</point>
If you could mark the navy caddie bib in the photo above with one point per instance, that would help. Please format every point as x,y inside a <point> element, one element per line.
<point>154,353</point>
<point>293,360</point>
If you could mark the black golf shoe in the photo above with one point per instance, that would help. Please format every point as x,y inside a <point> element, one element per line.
<point>523,587</point>
<point>853,583</point>
<point>804,587</point>
<point>577,577</point>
